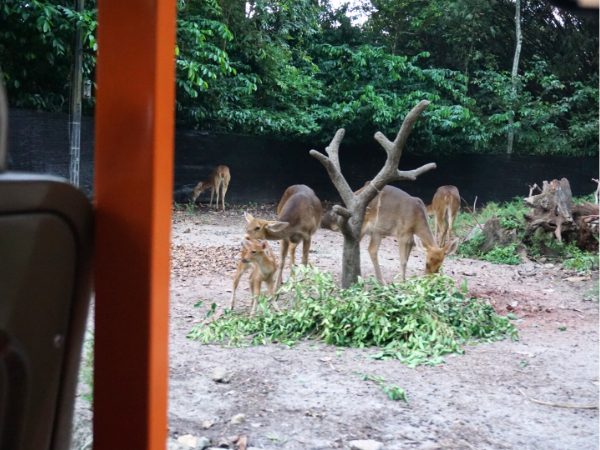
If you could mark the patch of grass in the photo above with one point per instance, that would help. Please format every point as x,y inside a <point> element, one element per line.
<point>416,322</point>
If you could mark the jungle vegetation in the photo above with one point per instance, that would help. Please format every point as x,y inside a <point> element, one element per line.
<point>300,69</point>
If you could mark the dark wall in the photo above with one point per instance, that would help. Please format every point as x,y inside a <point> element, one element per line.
<point>39,142</point>
<point>262,168</point>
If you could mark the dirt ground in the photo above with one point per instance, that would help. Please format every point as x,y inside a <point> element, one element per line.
<point>528,394</point>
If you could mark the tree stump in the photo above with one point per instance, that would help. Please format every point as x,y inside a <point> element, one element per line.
<point>496,236</point>
<point>553,210</point>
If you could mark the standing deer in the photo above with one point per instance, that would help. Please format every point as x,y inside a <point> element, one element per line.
<point>395,213</point>
<point>258,256</point>
<point>444,208</point>
<point>217,182</point>
<point>299,212</point>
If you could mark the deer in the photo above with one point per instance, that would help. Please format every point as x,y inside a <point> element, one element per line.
<point>444,208</point>
<point>217,182</point>
<point>393,212</point>
<point>258,256</point>
<point>299,212</point>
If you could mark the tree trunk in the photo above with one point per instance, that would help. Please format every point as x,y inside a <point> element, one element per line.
<point>514,77</point>
<point>552,209</point>
<point>350,261</point>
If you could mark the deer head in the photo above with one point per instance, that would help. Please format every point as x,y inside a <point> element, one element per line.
<point>434,256</point>
<point>263,229</point>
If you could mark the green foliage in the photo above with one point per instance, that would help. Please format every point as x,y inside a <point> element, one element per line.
<point>510,214</point>
<point>503,255</point>
<point>36,50</point>
<point>303,69</point>
<point>579,260</point>
<point>87,366</point>
<point>392,391</point>
<point>416,322</point>
<point>471,248</point>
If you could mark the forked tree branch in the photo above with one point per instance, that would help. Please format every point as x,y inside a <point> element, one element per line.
<point>332,164</point>
<point>356,202</point>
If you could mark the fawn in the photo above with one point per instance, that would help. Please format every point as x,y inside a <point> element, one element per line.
<point>258,256</point>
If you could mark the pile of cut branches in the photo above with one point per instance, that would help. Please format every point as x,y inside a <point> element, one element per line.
<point>416,322</point>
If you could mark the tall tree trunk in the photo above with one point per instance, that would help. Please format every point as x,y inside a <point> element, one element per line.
<point>514,77</point>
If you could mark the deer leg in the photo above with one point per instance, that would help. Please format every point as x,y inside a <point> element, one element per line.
<point>241,269</point>
<point>440,230</point>
<point>373,253</point>
<point>305,250</point>
<point>451,218</point>
<point>255,284</point>
<point>221,188</point>
<point>225,187</point>
<point>293,254</point>
<point>284,249</point>
<point>212,193</point>
<point>405,245</point>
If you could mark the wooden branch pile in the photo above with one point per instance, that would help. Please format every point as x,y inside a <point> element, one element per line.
<point>553,210</point>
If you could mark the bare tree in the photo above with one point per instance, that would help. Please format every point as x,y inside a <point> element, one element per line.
<point>351,215</point>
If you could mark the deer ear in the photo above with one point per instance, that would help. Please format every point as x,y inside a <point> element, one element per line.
<point>451,247</point>
<point>249,218</point>
<point>246,242</point>
<point>276,227</point>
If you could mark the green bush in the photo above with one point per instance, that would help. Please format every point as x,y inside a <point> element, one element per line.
<point>503,255</point>
<point>416,322</point>
<point>578,260</point>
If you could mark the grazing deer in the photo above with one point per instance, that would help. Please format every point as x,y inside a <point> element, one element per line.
<point>258,256</point>
<point>217,182</point>
<point>299,212</point>
<point>444,208</point>
<point>395,213</point>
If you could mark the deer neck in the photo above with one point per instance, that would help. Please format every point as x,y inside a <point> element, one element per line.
<point>423,232</point>
<point>277,235</point>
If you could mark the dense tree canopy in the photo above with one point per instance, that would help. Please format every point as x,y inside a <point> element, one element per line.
<point>300,69</point>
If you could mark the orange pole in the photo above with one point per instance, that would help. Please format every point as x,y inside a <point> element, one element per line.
<point>133,191</point>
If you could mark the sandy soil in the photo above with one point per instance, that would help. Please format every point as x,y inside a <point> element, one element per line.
<point>313,396</point>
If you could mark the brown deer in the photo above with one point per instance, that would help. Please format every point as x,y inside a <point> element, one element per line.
<point>258,256</point>
<point>395,213</point>
<point>299,212</point>
<point>444,208</point>
<point>217,182</point>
